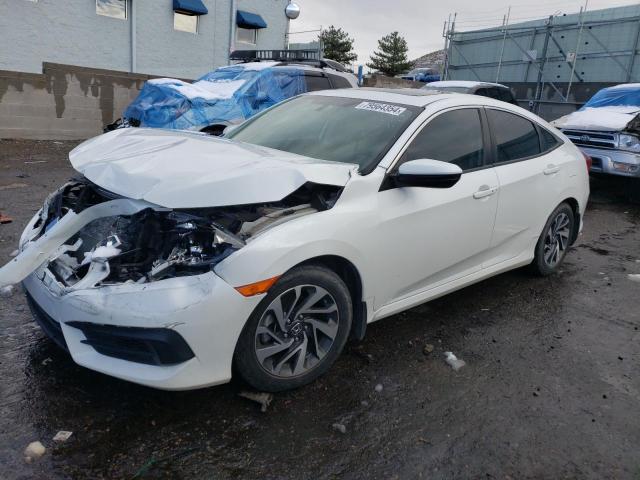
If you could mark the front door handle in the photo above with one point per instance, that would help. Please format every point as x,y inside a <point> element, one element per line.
<point>551,169</point>
<point>485,191</point>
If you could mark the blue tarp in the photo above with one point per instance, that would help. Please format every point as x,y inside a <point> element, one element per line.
<point>249,20</point>
<point>225,96</point>
<point>194,7</point>
<point>626,95</point>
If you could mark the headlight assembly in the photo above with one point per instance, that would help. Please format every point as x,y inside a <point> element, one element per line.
<point>630,143</point>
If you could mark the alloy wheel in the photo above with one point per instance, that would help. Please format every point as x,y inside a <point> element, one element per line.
<point>296,331</point>
<point>556,240</point>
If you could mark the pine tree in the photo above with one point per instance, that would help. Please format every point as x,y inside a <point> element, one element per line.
<point>391,56</point>
<point>337,45</point>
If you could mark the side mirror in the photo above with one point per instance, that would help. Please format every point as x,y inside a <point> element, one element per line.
<point>427,173</point>
<point>228,130</point>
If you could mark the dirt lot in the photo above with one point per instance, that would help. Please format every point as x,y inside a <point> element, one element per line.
<point>551,388</point>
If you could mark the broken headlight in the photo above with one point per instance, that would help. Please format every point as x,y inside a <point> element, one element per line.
<point>148,246</point>
<point>630,143</point>
<point>198,245</point>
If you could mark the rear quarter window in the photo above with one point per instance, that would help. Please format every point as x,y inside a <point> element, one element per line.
<point>516,138</point>
<point>548,140</point>
<point>339,82</point>
<point>317,82</point>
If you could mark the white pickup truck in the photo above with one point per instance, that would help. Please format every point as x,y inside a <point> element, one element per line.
<point>607,128</point>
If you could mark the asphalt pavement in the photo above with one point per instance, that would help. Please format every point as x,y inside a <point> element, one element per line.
<point>550,389</point>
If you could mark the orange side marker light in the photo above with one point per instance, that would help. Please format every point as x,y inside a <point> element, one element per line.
<point>257,288</point>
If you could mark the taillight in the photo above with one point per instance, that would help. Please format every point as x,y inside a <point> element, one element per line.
<point>589,161</point>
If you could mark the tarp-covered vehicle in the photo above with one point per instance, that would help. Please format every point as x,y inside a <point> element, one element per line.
<point>228,95</point>
<point>607,128</point>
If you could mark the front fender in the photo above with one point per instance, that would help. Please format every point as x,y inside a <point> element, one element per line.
<point>272,254</point>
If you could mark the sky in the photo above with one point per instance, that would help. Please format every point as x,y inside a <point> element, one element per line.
<point>421,21</point>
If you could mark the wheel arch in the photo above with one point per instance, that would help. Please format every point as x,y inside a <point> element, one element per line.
<point>349,273</point>
<point>575,207</point>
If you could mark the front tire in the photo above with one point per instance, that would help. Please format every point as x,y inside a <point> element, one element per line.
<point>296,332</point>
<point>554,241</point>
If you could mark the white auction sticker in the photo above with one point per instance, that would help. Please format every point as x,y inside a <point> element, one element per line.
<point>381,107</point>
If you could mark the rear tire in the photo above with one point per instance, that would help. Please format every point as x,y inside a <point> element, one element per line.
<point>296,332</point>
<point>554,241</point>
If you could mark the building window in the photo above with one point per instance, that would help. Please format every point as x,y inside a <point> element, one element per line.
<point>247,35</point>
<point>112,8</point>
<point>185,23</point>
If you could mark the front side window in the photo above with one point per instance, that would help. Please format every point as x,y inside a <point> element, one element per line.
<point>247,35</point>
<point>454,137</point>
<point>112,8</point>
<point>185,23</point>
<point>516,137</point>
<point>346,130</point>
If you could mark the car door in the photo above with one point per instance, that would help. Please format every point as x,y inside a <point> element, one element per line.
<point>530,176</point>
<point>437,235</point>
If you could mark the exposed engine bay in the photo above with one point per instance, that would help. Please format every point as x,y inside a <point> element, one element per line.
<point>154,244</point>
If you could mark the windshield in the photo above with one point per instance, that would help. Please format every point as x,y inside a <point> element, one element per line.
<point>338,129</point>
<point>615,97</point>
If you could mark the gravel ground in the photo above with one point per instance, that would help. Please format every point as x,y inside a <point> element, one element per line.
<point>550,390</point>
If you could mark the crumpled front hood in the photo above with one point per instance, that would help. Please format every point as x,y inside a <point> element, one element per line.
<point>177,169</point>
<point>602,119</point>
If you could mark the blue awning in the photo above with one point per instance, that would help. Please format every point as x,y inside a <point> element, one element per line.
<point>249,20</point>
<point>190,7</point>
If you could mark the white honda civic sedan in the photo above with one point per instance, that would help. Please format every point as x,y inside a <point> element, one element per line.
<point>175,258</point>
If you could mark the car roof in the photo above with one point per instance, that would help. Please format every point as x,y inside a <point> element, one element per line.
<point>421,98</point>
<point>463,84</point>
<point>406,96</point>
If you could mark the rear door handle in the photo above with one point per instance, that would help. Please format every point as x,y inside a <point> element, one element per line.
<point>551,169</point>
<point>485,191</point>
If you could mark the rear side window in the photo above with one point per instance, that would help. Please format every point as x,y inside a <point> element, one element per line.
<point>317,83</point>
<point>548,140</point>
<point>505,95</point>
<point>454,137</point>
<point>487,92</point>
<point>339,82</point>
<point>516,137</point>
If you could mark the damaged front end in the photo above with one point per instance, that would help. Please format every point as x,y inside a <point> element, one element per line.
<point>88,237</point>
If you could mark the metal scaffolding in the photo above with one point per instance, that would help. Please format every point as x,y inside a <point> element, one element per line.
<point>556,53</point>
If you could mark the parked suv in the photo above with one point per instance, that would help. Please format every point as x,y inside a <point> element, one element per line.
<point>229,95</point>
<point>607,128</point>
<point>422,75</point>
<point>484,89</point>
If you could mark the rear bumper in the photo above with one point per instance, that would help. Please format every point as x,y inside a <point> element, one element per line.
<point>174,334</point>
<point>613,162</point>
